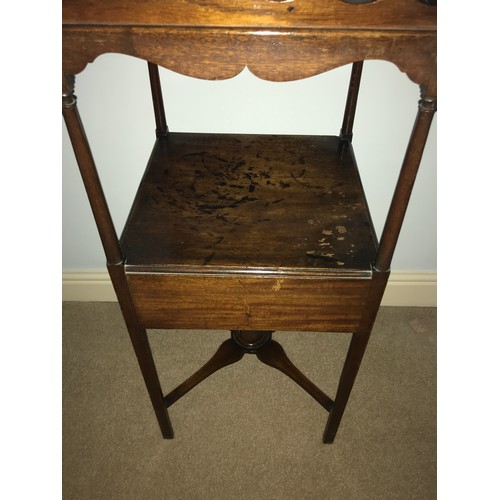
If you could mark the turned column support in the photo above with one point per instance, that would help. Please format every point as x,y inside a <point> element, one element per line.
<point>426,108</point>
<point>158,106</point>
<point>89,173</point>
<point>351,103</point>
<point>251,340</point>
<point>68,89</point>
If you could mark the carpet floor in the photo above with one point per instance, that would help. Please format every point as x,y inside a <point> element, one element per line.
<point>248,431</point>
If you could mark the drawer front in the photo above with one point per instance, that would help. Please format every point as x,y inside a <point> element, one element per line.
<point>248,303</point>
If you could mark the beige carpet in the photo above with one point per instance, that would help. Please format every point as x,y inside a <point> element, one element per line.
<point>248,432</point>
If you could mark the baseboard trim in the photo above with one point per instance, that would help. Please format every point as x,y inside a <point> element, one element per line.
<point>410,289</point>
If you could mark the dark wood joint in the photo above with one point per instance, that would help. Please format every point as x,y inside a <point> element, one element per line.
<point>427,104</point>
<point>68,96</point>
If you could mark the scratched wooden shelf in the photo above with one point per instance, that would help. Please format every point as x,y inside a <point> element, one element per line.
<point>245,203</point>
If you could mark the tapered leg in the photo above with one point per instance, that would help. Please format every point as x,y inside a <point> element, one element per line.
<point>142,349</point>
<point>355,354</point>
<point>426,109</point>
<point>112,250</point>
<point>140,342</point>
<point>354,357</point>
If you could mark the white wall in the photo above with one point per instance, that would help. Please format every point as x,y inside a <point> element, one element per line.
<point>115,105</point>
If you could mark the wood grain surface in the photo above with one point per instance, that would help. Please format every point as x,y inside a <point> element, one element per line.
<point>242,202</point>
<point>248,303</point>
<point>380,14</point>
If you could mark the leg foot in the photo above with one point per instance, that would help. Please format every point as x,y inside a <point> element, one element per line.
<point>146,363</point>
<point>353,360</point>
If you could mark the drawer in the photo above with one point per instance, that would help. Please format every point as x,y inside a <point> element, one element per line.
<point>243,302</point>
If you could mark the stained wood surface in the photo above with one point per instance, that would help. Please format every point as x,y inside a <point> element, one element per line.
<point>242,203</point>
<point>217,54</point>
<point>248,302</point>
<point>277,40</point>
<point>381,14</point>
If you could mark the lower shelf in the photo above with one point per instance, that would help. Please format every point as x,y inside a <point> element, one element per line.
<point>245,203</point>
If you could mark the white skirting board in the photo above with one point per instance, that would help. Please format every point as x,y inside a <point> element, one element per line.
<point>411,289</point>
